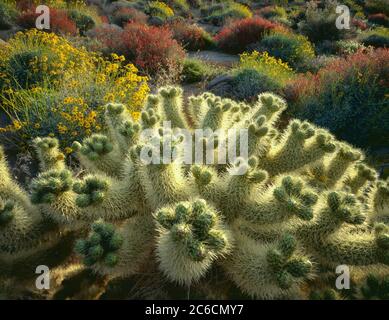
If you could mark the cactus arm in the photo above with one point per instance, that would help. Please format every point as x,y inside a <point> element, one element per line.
<point>9,189</point>
<point>245,186</point>
<point>378,201</point>
<point>268,271</point>
<point>356,249</point>
<point>121,127</point>
<point>219,114</point>
<point>197,108</point>
<point>269,105</point>
<point>299,146</point>
<point>172,105</point>
<point>99,155</point>
<point>49,155</point>
<point>289,197</point>
<point>340,163</point>
<point>118,251</point>
<point>165,184</point>
<point>164,181</point>
<point>191,237</point>
<point>325,235</point>
<point>105,197</point>
<point>360,177</point>
<point>258,138</point>
<point>208,184</point>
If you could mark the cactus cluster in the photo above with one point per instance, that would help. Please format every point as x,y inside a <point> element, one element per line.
<point>303,204</point>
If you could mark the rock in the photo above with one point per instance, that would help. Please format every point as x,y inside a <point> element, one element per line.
<point>7,34</point>
<point>215,57</point>
<point>226,79</point>
<point>156,21</point>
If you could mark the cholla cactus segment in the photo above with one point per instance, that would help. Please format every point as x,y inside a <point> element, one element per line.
<point>191,236</point>
<point>270,106</point>
<point>289,197</point>
<point>49,185</point>
<point>379,201</point>
<point>271,219</point>
<point>6,211</point>
<point>268,270</point>
<point>48,153</point>
<point>375,288</point>
<point>99,153</point>
<point>101,245</point>
<point>91,191</point>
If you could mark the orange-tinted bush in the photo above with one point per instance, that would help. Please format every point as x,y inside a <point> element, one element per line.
<point>60,22</point>
<point>152,48</point>
<point>191,36</point>
<point>235,37</point>
<point>359,24</point>
<point>124,15</point>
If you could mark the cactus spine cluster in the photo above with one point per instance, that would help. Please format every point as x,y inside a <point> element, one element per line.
<point>304,203</point>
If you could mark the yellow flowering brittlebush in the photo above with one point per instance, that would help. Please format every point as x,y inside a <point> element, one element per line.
<point>263,62</point>
<point>243,10</point>
<point>160,9</point>
<point>68,105</point>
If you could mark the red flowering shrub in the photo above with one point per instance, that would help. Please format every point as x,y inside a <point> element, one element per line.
<point>110,38</point>
<point>191,36</point>
<point>60,22</point>
<point>152,48</point>
<point>348,96</point>
<point>25,5</point>
<point>124,15</point>
<point>104,19</point>
<point>359,24</point>
<point>238,35</point>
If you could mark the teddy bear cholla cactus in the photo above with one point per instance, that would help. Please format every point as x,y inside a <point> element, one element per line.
<point>304,200</point>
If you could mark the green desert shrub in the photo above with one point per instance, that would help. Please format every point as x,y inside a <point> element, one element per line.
<point>320,24</point>
<point>275,13</point>
<point>257,73</point>
<point>220,13</point>
<point>180,6</point>
<point>378,37</point>
<point>349,96</point>
<point>294,49</point>
<point>377,6</point>
<point>346,47</point>
<point>249,83</point>
<point>84,21</point>
<point>7,15</point>
<point>193,71</point>
<point>160,10</point>
<point>31,68</point>
<point>196,70</point>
